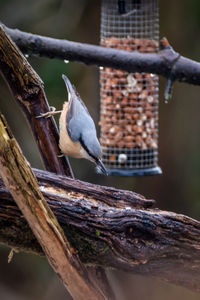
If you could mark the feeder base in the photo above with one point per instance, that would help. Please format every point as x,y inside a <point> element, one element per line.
<point>133,172</point>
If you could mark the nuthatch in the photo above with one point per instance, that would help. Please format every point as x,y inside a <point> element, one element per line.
<point>78,137</point>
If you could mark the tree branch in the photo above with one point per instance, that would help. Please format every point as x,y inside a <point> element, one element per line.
<point>148,242</point>
<point>102,223</point>
<point>22,184</point>
<point>28,91</point>
<point>161,63</point>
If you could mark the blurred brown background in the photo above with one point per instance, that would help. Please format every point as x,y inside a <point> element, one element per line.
<point>29,277</point>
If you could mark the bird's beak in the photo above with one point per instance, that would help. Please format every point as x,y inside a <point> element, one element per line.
<point>68,85</point>
<point>101,167</point>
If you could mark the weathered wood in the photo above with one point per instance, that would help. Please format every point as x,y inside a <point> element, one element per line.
<point>109,196</point>
<point>28,91</point>
<point>147,242</point>
<point>161,63</point>
<point>22,184</point>
<point>143,241</point>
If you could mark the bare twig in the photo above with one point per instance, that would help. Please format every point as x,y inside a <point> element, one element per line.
<point>148,242</point>
<point>28,91</point>
<point>186,70</point>
<point>22,184</point>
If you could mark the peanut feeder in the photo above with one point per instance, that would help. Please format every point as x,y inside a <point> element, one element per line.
<point>129,101</point>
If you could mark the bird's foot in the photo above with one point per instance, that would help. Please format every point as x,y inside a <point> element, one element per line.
<point>50,113</point>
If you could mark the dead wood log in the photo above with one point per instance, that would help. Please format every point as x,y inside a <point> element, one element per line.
<point>143,241</point>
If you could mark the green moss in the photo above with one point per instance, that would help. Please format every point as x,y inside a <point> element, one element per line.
<point>97,233</point>
<point>89,249</point>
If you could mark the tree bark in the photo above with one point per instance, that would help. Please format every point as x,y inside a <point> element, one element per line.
<point>108,227</point>
<point>28,91</point>
<point>161,63</point>
<point>22,184</point>
<point>144,241</point>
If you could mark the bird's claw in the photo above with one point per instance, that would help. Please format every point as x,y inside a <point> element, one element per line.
<point>49,114</point>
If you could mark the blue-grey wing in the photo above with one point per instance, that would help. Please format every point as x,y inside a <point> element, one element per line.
<point>78,119</point>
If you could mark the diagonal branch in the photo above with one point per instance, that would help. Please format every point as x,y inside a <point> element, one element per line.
<point>22,184</point>
<point>161,63</point>
<point>28,91</point>
<point>143,241</point>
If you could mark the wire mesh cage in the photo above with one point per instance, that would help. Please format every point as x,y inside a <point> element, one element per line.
<point>129,101</point>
